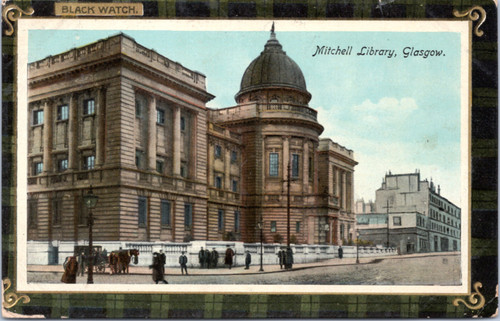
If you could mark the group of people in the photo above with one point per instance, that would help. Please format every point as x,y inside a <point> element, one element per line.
<point>207,259</point>
<point>158,266</point>
<point>285,258</point>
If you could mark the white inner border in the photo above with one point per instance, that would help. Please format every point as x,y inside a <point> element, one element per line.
<point>24,25</point>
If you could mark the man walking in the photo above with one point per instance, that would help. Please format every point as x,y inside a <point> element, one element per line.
<point>183,262</point>
<point>248,260</point>
<point>214,258</point>
<point>341,252</point>
<point>163,260</point>
<point>201,257</point>
<point>281,258</point>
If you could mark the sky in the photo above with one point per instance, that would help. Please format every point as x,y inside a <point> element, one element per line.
<point>398,114</point>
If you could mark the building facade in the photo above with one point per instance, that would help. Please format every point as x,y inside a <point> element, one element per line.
<point>134,126</point>
<point>411,214</point>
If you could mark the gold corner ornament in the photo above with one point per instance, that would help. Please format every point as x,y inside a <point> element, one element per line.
<point>476,299</point>
<point>11,299</point>
<point>474,16</point>
<point>12,13</point>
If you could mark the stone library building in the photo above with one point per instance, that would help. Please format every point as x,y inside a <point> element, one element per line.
<point>133,126</point>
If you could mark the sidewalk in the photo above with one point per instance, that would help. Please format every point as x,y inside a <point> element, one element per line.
<point>254,269</point>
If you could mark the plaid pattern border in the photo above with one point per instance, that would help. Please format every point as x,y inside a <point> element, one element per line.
<point>484,179</point>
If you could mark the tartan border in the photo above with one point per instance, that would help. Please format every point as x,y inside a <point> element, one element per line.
<point>484,179</point>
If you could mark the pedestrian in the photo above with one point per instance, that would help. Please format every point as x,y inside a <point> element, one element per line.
<point>81,263</point>
<point>70,270</point>
<point>201,257</point>
<point>248,260</point>
<point>214,258</point>
<point>228,258</point>
<point>208,258</point>
<point>157,269</point>
<point>281,258</point>
<point>341,252</point>
<point>288,258</point>
<point>163,260</point>
<point>183,262</point>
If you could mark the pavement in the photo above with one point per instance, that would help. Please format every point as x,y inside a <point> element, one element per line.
<point>254,269</point>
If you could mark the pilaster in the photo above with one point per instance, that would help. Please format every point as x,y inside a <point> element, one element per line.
<point>47,136</point>
<point>151,150</point>
<point>73,132</point>
<point>100,126</point>
<point>177,142</point>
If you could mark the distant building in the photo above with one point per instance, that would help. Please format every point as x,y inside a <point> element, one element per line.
<point>362,207</point>
<point>411,214</point>
<point>134,125</point>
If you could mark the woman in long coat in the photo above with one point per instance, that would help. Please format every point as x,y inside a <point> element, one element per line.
<point>157,267</point>
<point>70,269</point>
<point>228,259</point>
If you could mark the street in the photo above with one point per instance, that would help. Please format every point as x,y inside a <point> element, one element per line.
<point>442,269</point>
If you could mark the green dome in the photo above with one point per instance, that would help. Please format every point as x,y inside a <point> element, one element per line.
<point>273,68</point>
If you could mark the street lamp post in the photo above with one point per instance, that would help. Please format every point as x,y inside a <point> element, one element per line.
<point>288,205</point>
<point>260,226</point>
<point>90,201</point>
<point>357,247</point>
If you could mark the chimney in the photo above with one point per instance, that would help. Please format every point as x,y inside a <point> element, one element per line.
<point>439,189</point>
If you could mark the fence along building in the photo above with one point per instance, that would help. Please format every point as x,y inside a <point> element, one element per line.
<point>134,125</point>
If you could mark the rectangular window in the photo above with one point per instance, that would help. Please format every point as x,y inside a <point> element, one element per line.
<point>37,168</point>
<point>218,151</point>
<point>160,116</point>
<point>295,165</point>
<point>273,226</point>
<point>138,108</point>
<point>236,221</point>
<point>235,186</point>
<point>183,123</point>
<point>143,209</point>
<point>32,212</point>
<point>63,165</point>
<point>396,220</point>
<point>183,171</point>
<point>159,166</point>
<point>297,227</point>
<point>188,216</point>
<point>311,169</point>
<point>62,112</point>
<point>165,213</point>
<point>138,158</point>
<point>218,181</point>
<point>37,117</point>
<point>88,162</point>
<point>234,156</point>
<point>220,220</point>
<point>273,164</point>
<point>56,211</point>
<point>88,107</point>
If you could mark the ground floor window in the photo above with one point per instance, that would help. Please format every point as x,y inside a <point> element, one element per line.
<point>188,216</point>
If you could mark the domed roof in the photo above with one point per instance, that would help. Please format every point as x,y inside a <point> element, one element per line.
<point>273,68</point>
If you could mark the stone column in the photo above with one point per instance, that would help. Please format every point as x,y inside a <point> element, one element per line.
<point>286,160</point>
<point>47,136</point>
<point>177,142</point>
<point>193,129</point>
<point>151,150</point>
<point>305,168</point>
<point>100,126</point>
<point>73,133</point>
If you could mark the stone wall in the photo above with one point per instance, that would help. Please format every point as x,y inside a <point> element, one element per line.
<point>39,252</point>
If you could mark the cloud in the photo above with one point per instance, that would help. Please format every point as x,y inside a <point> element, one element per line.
<point>386,109</point>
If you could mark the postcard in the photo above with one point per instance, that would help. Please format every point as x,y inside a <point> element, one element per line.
<point>202,164</point>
